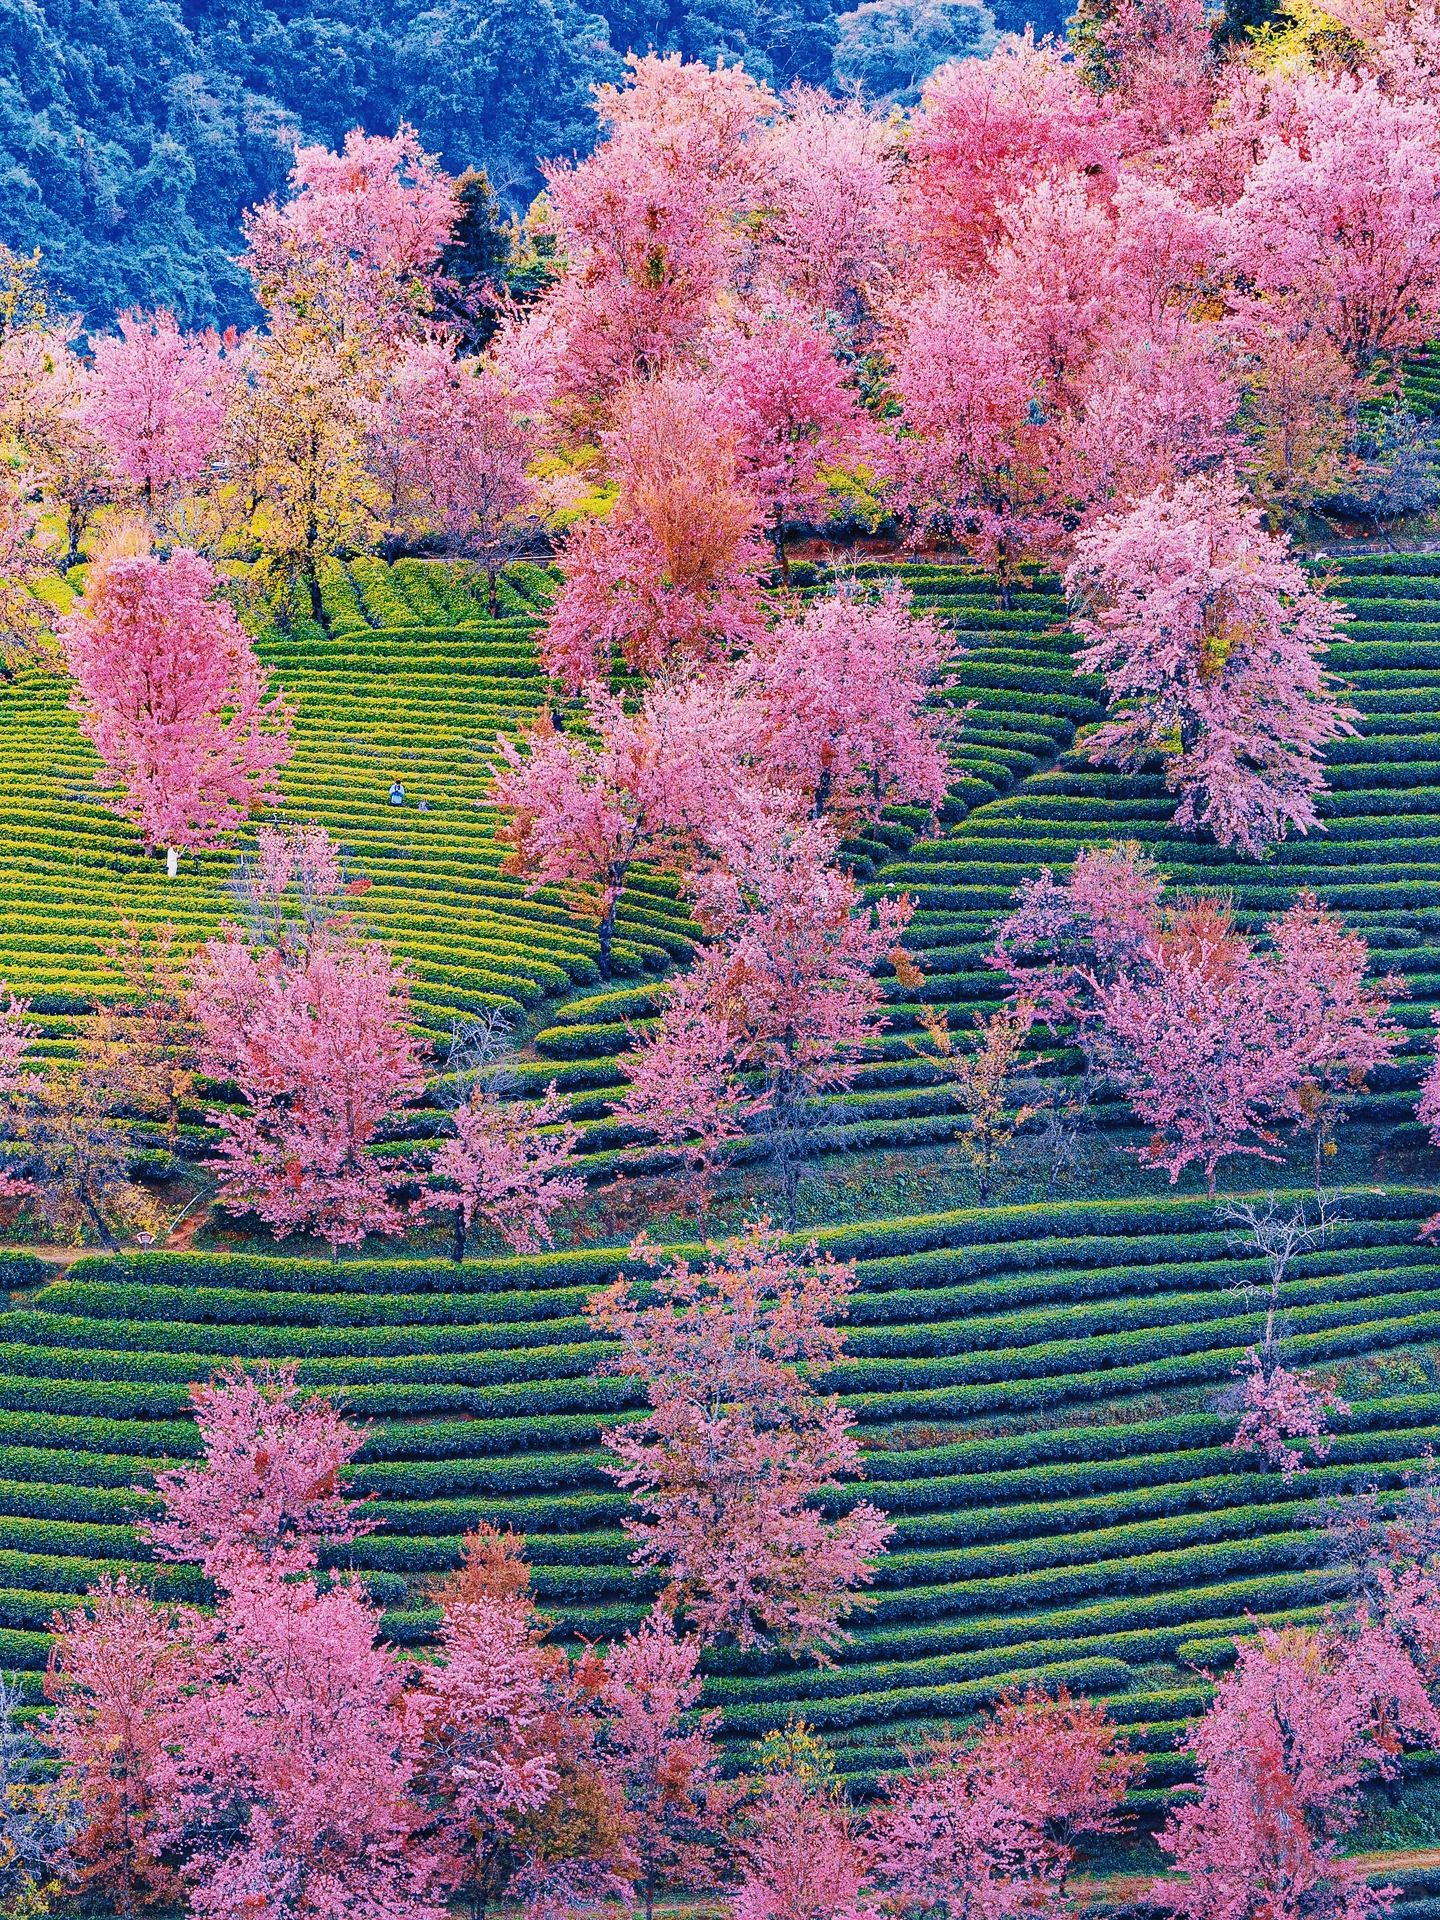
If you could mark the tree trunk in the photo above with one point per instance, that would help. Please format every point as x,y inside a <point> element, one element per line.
<point>493,578</point>
<point>781,555</point>
<point>607,931</point>
<point>98,1221</point>
<point>457,1249</point>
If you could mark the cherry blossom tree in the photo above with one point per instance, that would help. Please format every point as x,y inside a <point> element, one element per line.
<point>262,1756</point>
<point>985,131</point>
<point>267,1493</point>
<point>506,1166</point>
<point>1149,412</point>
<point>486,1761</point>
<point>320,1050</point>
<point>44,386</point>
<point>1336,1015</point>
<point>830,216</point>
<point>1278,1406</point>
<point>841,692</point>
<point>672,573</point>
<point>518,1713</point>
<point>1153,62</point>
<point>984,1825</point>
<point>975,460</point>
<point>292,892</point>
<point>802,1857</point>
<point>354,251</point>
<point>683,1087</point>
<point>658,1750</point>
<point>790,971</point>
<point>156,400</point>
<point>27,555</point>
<point>793,415</point>
<point>1215,1041</point>
<point>290,1769</point>
<point>1194,1043</point>
<point>643,786</point>
<point>649,221</point>
<point>118,1665</point>
<point>168,687</point>
<point>1281,1407</point>
<point>16,1033</point>
<point>739,1443</point>
<point>1054,277</point>
<point>450,445</point>
<point>1339,222</point>
<point>1065,942</point>
<point>1303,1720</point>
<point>1210,637</point>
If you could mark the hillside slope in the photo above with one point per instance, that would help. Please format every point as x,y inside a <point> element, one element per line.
<point>1034,1383</point>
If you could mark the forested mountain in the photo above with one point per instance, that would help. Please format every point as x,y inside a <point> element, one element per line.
<point>133,132</point>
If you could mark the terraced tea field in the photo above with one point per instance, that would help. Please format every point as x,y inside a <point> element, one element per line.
<point>1033,1383</point>
<point>404,686</point>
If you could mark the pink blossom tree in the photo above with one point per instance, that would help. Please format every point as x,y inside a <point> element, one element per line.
<point>841,692</point>
<point>1336,1014</point>
<point>321,1052</point>
<point>27,554</point>
<point>1064,943</point>
<point>1339,223</point>
<point>794,416</point>
<point>292,892</point>
<point>44,384</point>
<point>118,1665</point>
<point>986,1824</point>
<point>356,247</point>
<point>802,1857</point>
<point>985,131</point>
<point>658,1749</point>
<point>830,232</point>
<point>1280,1408</point>
<point>168,687</point>
<point>507,1166</point>
<point>1215,1041</point>
<point>289,1775</point>
<point>738,1443</point>
<point>683,1086</point>
<point>650,220</point>
<point>156,400</point>
<point>1053,277</point>
<point>450,443</point>
<point>521,1804</point>
<point>267,1492</point>
<point>671,575</point>
<point>1277,1405</point>
<point>488,1719</point>
<point>582,808</point>
<point>17,1031</point>
<point>1210,637</point>
<point>1194,1044</point>
<point>789,971</point>
<point>974,459</point>
<point>263,1755</point>
<point>1301,1723</point>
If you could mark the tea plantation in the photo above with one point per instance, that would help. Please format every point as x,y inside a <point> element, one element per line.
<point>1034,1383</point>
